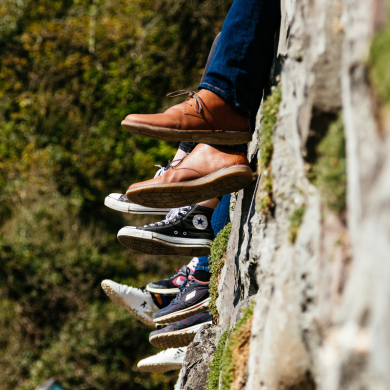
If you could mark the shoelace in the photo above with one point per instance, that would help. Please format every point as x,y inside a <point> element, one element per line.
<point>187,282</point>
<point>172,216</point>
<point>162,169</point>
<point>192,94</point>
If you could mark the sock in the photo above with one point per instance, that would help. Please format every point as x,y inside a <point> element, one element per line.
<point>202,276</point>
<point>161,301</point>
<point>192,264</point>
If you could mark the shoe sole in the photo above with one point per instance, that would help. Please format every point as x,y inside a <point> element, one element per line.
<point>222,182</point>
<point>116,298</point>
<point>182,314</point>
<point>177,338</point>
<point>160,244</point>
<point>133,208</point>
<point>213,137</point>
<point>160,367</point>
<point>163,291</point>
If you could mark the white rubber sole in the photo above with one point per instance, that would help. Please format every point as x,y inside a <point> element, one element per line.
<point>160,367</point>
<point>160,244</point>
<point>116,298</point>
<point>177,338</point>
<point>181,314</point>
<point>133,208</point>
<point>163,291</point>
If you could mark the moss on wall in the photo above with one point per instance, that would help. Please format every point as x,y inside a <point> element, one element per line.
<point>329,170</point>
<point>379,69</point>
<point>217,260</point>
<point>235,356</point>
<point>295,222</point>
<point>215,366</point>
<point>269,117</point>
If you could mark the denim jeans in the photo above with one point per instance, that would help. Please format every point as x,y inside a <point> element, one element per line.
<point>218,221</point>
<point>188,147</point>
<point>242,60</point>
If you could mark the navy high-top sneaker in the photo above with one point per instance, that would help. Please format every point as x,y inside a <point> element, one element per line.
<point>185,231</point>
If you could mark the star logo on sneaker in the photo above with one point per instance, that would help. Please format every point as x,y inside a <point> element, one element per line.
<point>200,221</point>
<point>190,295</point>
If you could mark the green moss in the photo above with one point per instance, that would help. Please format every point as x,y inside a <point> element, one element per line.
<point>295,222</point>
<point>269,113</point>
<point>379,63</point>
<point>217,260</point>
<point>228,358</point>
<point>215,366</point>
<point>329,171</point>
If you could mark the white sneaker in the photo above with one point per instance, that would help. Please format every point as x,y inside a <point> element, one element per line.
<point>178,382</point>
<point>137,301</point>
<point>119,202</point>
<point>170,359</point>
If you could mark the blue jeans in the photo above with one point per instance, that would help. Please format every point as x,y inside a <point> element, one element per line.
<point>241,63</point>
<point>218,221</point>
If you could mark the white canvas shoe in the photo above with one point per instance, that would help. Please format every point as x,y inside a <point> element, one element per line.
<point>167,360</point>
<point>119,202</point>
<point>137,301</point>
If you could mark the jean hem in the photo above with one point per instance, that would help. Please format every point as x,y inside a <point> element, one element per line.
<point>201,268</point>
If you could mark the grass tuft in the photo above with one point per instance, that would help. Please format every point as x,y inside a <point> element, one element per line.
<point>269,117</point>
<point>295,222</point>
<point>217,260</point>
<point>215,366</point>
<point>329,171</point>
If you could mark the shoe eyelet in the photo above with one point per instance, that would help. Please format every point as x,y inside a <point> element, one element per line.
<point>174,220</point>
<point>184,233</point>
<point>176,232</point>
<point>184,212</point>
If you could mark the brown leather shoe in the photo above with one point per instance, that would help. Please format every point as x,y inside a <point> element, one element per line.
<point>203,117</point>
<point>206,173</point>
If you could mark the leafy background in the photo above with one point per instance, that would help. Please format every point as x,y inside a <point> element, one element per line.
<point>70,71</point>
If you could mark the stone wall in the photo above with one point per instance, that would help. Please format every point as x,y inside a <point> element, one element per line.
<point>322,314</point>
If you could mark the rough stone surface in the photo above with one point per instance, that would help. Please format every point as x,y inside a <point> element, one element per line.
<point>322,313</point>
<point>199,355</point>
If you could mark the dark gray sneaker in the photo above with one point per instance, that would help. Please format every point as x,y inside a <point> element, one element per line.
<point>180,333</point>
<point>171,284</point>
<point>192,298</point>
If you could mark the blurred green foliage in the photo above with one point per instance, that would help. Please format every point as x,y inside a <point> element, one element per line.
<point>70,71</point>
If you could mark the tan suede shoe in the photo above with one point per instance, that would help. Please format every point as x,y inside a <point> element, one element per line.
<point>206,173</point>
<point>203,117</point>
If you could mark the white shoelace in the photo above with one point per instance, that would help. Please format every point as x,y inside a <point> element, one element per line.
<point>161,171</point>
<point>172,216</point>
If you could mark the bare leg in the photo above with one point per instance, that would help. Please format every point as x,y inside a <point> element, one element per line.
<point>211,203</point>
<point>180,154</point>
